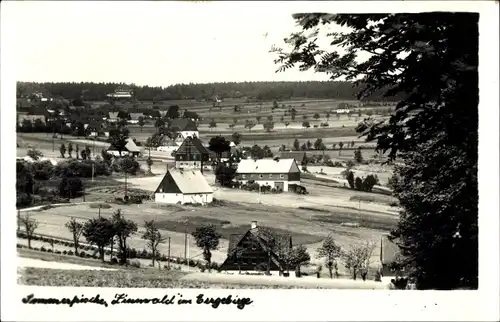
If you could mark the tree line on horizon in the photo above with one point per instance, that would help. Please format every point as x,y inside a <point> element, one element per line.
<point>253,91</point>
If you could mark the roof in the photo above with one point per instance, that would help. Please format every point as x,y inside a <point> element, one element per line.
<point>389,251</point>
<point>130,146</point>
<point>183,125</point>
<point>189,181</point>
<point>135,116</point>
<point>299,156</point>
<point>267,166</point>
<point>190,143</point>
<point>264,237</point>
<point>113,115</point>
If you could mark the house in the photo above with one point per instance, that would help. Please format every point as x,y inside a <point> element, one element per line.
<point>389,255</point>
<point>184,128</point>
<point>299,156</point>
<point>167,145</point>
<point>277,173</point>
<point>252,251</point>
<point>134,118</point>
<point>112,117</point>
<point>191,154</point>
<point>130,149</point>
<point>181,186</point>
<point>96,129</point>
<point>32,118</point>
<point>122,92</point>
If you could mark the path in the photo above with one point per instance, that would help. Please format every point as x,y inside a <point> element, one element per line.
<point>30,262</point>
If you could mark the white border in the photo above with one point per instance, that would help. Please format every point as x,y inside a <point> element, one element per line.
<point>284,305</point>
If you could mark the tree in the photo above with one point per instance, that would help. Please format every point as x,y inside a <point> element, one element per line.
<point>316,116</point>
<point>34,154</point>
<point>30,225</point>
<point>62,150</point>
<point>212,124</point>
<point>219,144</point>
<point>70,149</point>
<point>122,229</point>
<point>306,124</point>
<point>70,186</point>
<point>258,117</point>
<point>249,126</point>
<point>341,145</point>
<point>327,116</point>
<point>224,174</point>
<point>118,138</point>
<point>141,122</point>
<point>298,257</point>
<point>287,123</point>
<point>282,118</point>
<point>149,162</point>
<point>76,230</point>
<point>207,238</point>
<point>83,154</point>
<point>77,150</point>
<point>235,120</point>
<point>159,123</point>
<point>350,179</point>
<point>352,144</point>
<point>27,126</point>
<point>270,118</point>
<point>304,117</point>
<point>296,145</point>
<point>357,259</point>
<point>88,153</point>
<point>309,145</point>
<point>98,231</point>
<point>173,112</point>
<point>153,238</point>
<point>358,157</point>
<point>330,252</point>
<point>318,144</point>
<point>275,105</point>
<point>433,129</point>
<point>269,126</point>
<point>236,138</point>
<point>370,181</point>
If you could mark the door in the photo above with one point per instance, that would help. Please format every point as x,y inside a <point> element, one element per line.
<point>279,185</point>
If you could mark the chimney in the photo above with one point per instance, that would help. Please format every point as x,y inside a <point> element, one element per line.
<point>253,225</point>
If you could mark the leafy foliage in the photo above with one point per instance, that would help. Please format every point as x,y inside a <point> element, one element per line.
<point>153,238</point>
<point>98,231</point>
<point>429,62</point>
<point>76,230</point>
<point>122,229</point>
<point>330,252</point>
<point>207,238</point>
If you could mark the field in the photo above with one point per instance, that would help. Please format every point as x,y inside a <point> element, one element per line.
<point>330,208</point>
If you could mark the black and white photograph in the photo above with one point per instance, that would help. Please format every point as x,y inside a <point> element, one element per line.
<point>274,146</point>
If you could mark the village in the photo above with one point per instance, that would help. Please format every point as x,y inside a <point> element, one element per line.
<point>202,198</point>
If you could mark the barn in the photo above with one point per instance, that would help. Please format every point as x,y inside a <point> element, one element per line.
<point>256,250</point>
<point>180,186</point>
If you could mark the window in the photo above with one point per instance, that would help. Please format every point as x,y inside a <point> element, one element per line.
<point>270,176</point>
<point>261,176</point>
<point>161,190</point>
<point>282,176</point>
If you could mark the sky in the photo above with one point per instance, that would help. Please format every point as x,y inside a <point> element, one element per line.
<point>153,43</point>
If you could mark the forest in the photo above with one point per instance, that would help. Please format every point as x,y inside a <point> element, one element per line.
<point>253,91</point>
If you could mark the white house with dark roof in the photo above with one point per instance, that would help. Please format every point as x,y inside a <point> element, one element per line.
<point>180,186</point>
<point>130,149</point>
<point>277,173</point>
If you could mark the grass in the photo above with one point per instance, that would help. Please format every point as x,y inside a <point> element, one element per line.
<point>135,278</point>
<point>374,198</point>
<point>373,222</point>
<point>226,230</point>
<point>70,259</point>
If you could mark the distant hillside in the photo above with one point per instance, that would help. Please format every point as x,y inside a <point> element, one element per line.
<point>254,91</point>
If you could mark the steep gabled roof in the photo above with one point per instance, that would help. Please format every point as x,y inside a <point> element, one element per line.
<point>135,116</point>
<point>268,166</point>
<point>263,237</point>
<point>130,146</point>
<point>183,125</point>
<point>186,181</point>
<point>191,145</point>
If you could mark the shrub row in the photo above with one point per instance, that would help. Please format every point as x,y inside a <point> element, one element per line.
<point>253,186</point>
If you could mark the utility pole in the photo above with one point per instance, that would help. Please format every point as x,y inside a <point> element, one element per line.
<point>93,171</point>
<point>125,183</point>
<point>168,263</point>
<point>186,240</point>
<point>93,147</point>
<point>53,141</point>
<point>187,252</point>
<point>100,217</point>
<point>18,220</point>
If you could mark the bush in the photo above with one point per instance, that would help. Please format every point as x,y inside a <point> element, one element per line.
<point>36,248</point>
<point>70,252</point>
<point>82,254</point>
<point>57,252</point>
<point>49,250</point>
<point>114,261</point>
<point>65,252</point>
<point>43,249</point>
